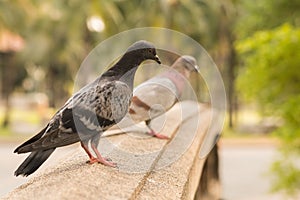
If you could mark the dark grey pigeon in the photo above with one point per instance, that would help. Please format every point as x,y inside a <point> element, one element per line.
<point>89,112</point>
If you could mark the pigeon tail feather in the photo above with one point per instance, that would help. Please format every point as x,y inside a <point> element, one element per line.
<point>19,149</point>
<point>33,162</point>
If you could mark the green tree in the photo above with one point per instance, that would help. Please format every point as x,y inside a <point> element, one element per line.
<point>208,22</point>
<point>271,78</point>
<point>259,15</point>
<point>55,38</point>
<point>13,15</point>
<point>269,51</point>
<point>58,39</point>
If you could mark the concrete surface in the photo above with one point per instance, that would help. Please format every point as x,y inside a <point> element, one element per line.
<point>236,174</point>
<point>147,167</point>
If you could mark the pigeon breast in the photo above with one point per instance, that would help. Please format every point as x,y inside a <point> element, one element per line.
<point>153,98</point>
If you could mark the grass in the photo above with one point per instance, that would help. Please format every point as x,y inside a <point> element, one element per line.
<point>21,117</point>
<point>5,131</point>
<point>27,116</point>
<point>246,116</point>
<point>31,117</point>
<point>34,118</point>
<point>8,136</point>
<point>248,138</point>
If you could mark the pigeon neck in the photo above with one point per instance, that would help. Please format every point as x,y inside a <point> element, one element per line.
<point>124,70</point>
<point>127,62</point>
<point>177,78</point>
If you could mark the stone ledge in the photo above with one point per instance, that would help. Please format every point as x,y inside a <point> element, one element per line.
<point>148,168</point>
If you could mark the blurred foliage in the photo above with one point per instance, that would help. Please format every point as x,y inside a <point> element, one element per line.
<point>13,14</point>
<point>259,15</point>
<point>57,39</point>
<point>57,36</point>
<point>268,48</point>
<point>287,175</point>
<point>271,77</point>
<point>272,66</point>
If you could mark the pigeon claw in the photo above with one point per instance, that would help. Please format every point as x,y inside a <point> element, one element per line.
<point>104,161</point>
<point>158,135</point>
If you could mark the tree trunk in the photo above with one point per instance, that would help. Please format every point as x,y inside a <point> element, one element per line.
<point>228,58</point>
<point>231,82</point>
<point>6,120</point>
<point>8,76</point>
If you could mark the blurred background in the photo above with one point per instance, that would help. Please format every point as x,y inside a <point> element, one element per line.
<point>255,44</point>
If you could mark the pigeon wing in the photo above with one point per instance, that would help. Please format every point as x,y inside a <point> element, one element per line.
<point>85,115</point>
<point>152,98</point>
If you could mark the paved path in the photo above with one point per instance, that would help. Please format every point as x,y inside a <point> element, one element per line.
<point>10,162</point>
<point>244,170</point>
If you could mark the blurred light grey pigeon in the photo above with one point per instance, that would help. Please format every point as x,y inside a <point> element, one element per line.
<point>159,94</point>
<point>89,112</point>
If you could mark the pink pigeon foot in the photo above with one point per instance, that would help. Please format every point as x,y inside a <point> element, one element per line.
<point>99,159</point>
<point>102,161</point>
<point>159,136</point>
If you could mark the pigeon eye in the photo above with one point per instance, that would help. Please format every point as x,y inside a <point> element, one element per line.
<point>150,50</point>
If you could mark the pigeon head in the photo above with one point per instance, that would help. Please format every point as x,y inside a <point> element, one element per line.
<point>124,70</point>
<point>143,49</point>
<point>186,65</point>
<point>190,63</point>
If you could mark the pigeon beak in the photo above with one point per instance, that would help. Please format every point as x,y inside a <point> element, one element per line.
<point>197,69</point>
<point>156,58</point>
